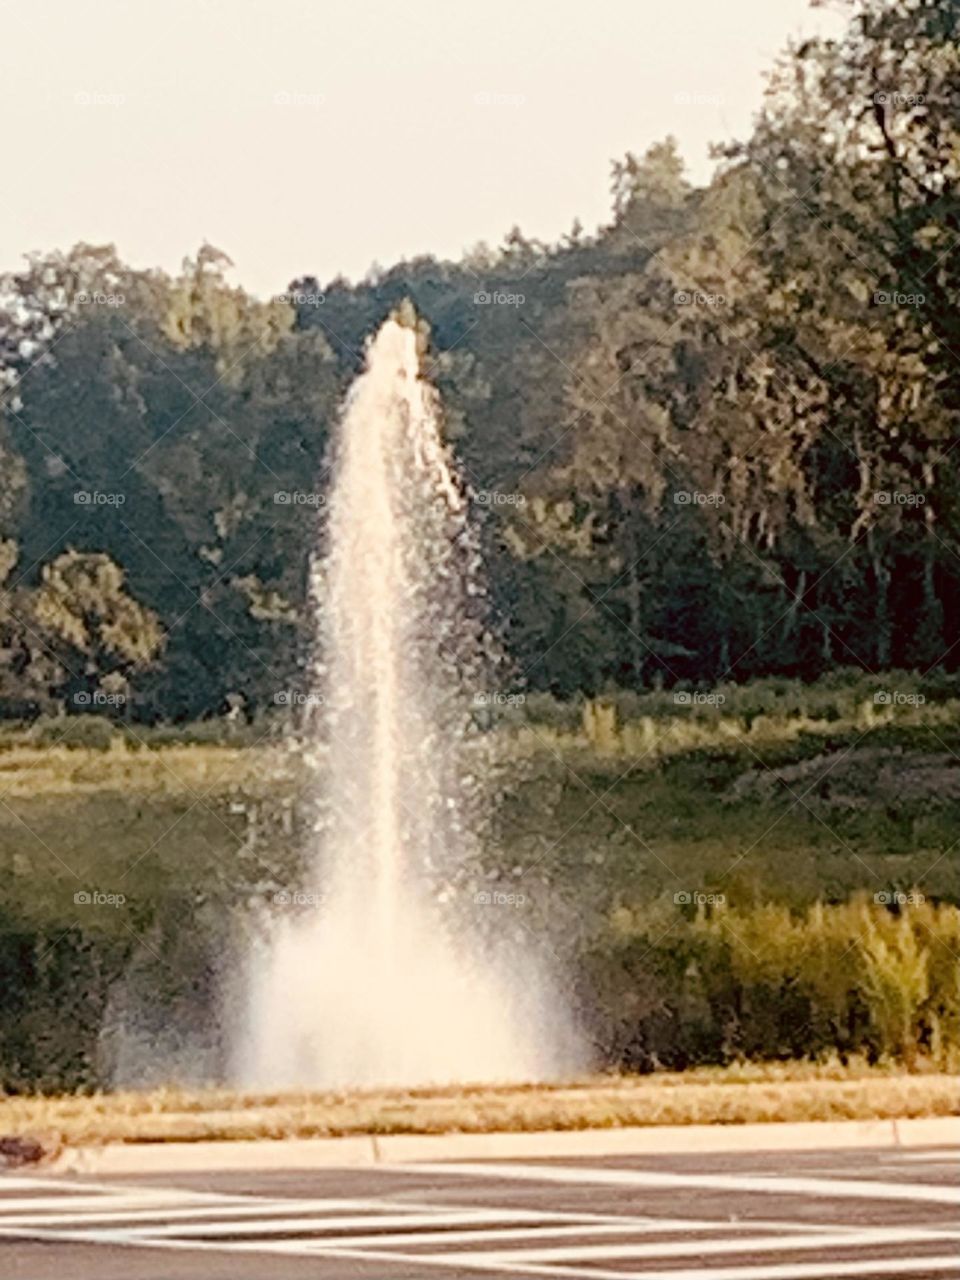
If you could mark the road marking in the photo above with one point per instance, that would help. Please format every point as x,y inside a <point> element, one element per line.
<point>11,1180</point>
<point>705,1248</point>
<point>73,1189</point>
<point>241,1209</point>
<point>939,1263</point>
<point>625,1226</point>
<point>36,1204</point>
<point>944,1264</point>
<point>527,1242</point>
<point>832,1188</point>
<point>283,1226</point>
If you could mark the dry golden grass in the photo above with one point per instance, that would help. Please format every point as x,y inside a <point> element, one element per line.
<point>653,738</point>
<point>60,770</point>
<point>139,766</point>
<point>740,1095</point>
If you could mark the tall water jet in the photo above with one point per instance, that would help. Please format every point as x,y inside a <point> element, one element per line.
<point>392,981</point>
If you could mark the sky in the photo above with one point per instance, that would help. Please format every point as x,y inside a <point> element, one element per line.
<point>313,137</point>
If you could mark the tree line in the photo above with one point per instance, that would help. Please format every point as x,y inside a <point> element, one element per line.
<point>713,440</point>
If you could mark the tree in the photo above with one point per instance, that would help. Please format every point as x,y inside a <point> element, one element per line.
<point>97,631</point>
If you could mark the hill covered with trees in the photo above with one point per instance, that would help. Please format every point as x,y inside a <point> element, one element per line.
<point>713,440</point>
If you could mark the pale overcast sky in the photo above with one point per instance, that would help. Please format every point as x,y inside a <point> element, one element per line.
<point>306,136</point>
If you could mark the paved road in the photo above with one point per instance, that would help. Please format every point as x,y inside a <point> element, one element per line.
<point>761,1216</point>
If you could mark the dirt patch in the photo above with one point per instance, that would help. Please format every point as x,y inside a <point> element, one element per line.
<point>856,779</point>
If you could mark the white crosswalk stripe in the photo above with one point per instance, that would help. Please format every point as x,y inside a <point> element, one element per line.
<point>489,1239</point>
<point>830,1188</point>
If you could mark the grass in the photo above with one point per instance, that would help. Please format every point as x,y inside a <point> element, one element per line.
<point>52,771</point>
<point>598,818</point>
<point>734,1095</point>
<point>653,806</point>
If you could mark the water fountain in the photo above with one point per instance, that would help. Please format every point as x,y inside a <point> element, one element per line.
<point>392,980</point>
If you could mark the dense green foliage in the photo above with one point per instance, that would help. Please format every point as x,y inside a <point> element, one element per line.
<point>712,441</point>
<point>761,983</point>
<point>773,880</point>
<point>711,451</point>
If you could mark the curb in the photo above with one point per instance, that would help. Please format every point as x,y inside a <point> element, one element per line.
<point>372,1150</point>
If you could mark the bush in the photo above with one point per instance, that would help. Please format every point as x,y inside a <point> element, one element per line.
<point>854,978</point>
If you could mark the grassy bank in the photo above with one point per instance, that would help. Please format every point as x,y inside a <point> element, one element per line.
<point>818,826</point>
<point>781,805</point>
<point>739,1095</point>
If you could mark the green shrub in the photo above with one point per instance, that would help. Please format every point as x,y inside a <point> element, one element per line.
<point>763,982</point>
<point>95,732</point>
<point>896,984</point>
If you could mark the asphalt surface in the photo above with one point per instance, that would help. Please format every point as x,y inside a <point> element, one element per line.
<point>762,1216</point>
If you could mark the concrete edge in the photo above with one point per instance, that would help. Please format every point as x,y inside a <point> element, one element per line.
<point>373,1150</point>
